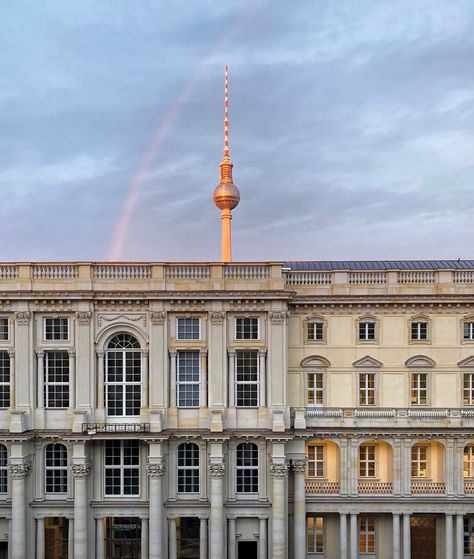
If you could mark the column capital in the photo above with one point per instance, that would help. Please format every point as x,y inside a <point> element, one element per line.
<point>217,317</point>
<point>262,352</point>
<point>145,352</point>
<point>155,470</point>
<point>158,318</point>
<point>173,352</point>
<point>81,470</point>
<point>100,353</point>
<point>299,465</point>
<point>40,353</point>
<point>72,353</point>
<point>216,470</point>
<point>19,471</point>
<point>11,353</point>
<point>277,317</point>
<point>278,470</point>
<point>231,352</point>
<point>22,317</point>
<point>83,317</point>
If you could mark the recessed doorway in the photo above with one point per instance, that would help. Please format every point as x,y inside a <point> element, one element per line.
<point>423,537</point>
<point>247,550</point>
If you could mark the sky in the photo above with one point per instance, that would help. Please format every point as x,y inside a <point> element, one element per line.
<point>351,129</point>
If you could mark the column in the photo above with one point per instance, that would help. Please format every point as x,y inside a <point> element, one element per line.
<point>11,353</point>
<point>144,363</point>
<point>216,473</point>
<point>396,535</point>
<point>459,467</point>
<point>459,536</point>
<point>172,544</point>
<point>80,472</point>
<point>203,356</point>
<point>100,380</point>
<point>40,386</point>
<point>343,535</point>
<point>262,546</point>
<point>354,537</point>
<point>173,356</point>
<point>99,538</point>
<point>231,379</point>
<point>449,536</point>
<point>144,539</point>
<point>278,471</point>
<point>40,547</point>
<point>203,538</point>
<point>70,538</point>
<point>343,470</point>
<point>397,467</point>
<point>18,473</point>
<point>449,470</point>
<point>262,377</point>
<point>231,539</point>
<point>155,545</point>
<point>406,466</point>
<point>299,509</point>
<point>72,379</point>
<point>353,466</point>
<point>406,537</point>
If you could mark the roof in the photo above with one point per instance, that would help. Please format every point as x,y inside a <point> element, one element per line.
<point>380,265</point>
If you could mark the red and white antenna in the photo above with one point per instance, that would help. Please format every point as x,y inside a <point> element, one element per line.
<point>226,113</point>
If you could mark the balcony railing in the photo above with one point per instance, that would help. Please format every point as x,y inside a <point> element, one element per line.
<point>427,487</point>
<point>388,413</point>
<point>319,487</point>
<point>375,487</point>
<point>94,428</point>
<point>468,487</point>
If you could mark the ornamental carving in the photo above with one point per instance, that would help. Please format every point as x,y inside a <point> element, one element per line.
<point>217,317</point>
<point>299,465</point>
<point>122,316</point>
<point>19,471</point>
<point>155,471</point>
<point>278,470</point>
<point>83,317</point>
<point>277,317</point>
<point>22,317</point>
<point>217,470</point>
<point>158,318</point>
<point>81,470</point>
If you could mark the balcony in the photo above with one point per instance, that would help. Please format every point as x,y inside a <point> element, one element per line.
<point>375,488</point>
<point>469,487</point>
<point>97,428</point>
<point>321,487</point>
<point>427,487</point>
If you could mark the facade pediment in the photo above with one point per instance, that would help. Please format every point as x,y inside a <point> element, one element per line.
<point>420,361</point>
<point>467,362</point>
<point>367,362</point>
<point>315,361</point>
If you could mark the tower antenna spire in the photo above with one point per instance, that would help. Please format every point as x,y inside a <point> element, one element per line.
<point>226,113</point>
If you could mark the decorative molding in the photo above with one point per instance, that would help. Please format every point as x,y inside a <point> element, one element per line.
<point>420,361</point>
<point>83,317</point>
<point>367,362</point>
<point>467,362</point>
<point>158,318</point>
<point>278,470</point>
<point>217,470</point>
<point>72,353</point>
<point>277,317</point>
<point>217,317</point>
<point>156,471</point>
<point>315,361</point>
<point>299,465</point>
<point>11,353</point>
<point>19,471</point>
<point>23,317</point>
<point>81,470</point>
<point>121,316</point>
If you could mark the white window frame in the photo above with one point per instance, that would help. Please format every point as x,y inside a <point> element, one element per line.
<point>5,385</point>
<point>366,530</point>
<point>417,390</point>
<point>60,319</point>
<point>418,330</point>
<point>419,456</point>
<point>317,533</point>
<point>468,388</point>
<point>243,383</point>
<point>316,461</point>
<point>185,384</point>
<point>252,469</point>
<point>3,469</point>
<point>468,327</point>
<point>250,318</point>
<point>468,536</point>
<point>365,391</point>
<point>122,467</point>
<point>61,469</point>
<point>363,330</point>
<point>190,318</point>
<point>468,461</point>
<point>315,392</point>
<point>188,471</point>
<point>48,362</point>
<point>4,320</point>
<point>314,325</point>
<point>367,461</point>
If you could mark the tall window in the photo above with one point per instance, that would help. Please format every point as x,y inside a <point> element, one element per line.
<point>188,468</point>
<point>188,328</point>
<point>188,379</point>
<point>4,329</point>
<point>246,328</point>
<point>419,461</point>
<point>247,378</point>
<point>56,535</point>
<point>316,460</point>
<point>315,534</point>
<point>4,379</point>
<point>55,467</point>
<point>366,331</point>
<point>247,468</point>
<point>56,379</point>
<point>468,535</point>
<point>468,389</point>
<point>3,469</point>
<point>316,331</point>
<point>367,461</point>
<point>122,468</point>
<point>366,534</point>
<point>123,380</point>
<point>469,461</point>
<point>315,391</point>
<point>468,331</point>
<point>56,328</point>
<point>419,331</point>
<point>419,389</point>
<point>366,389</point>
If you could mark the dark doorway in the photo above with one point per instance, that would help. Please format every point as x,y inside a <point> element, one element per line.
<point>423,537</point>
<point>123,539</point>
<point>247,550</point>
<point>3,550</point>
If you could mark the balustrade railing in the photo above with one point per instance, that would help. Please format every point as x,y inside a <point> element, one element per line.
<point>375,487</point>
<point>469,487</point>
<point>8,272</point>
<point>122,272</point>
<point>319,487</point>
<point>389,413</point>
<point>55,271</point>
<point>368,278</point>
<point>427,487</point>
<point>463,276</point>
<point>308,278</point>
<point>246,271</point>
<point>93,428</point>
<point>416,276</point>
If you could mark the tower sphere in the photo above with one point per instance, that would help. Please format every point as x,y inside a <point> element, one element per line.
<point>226,196</point>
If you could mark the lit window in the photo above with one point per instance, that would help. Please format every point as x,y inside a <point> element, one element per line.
<point>419,331</point>
<point>316,331</point>
<point>187,381</point>
<point>366,331</point>
<point>315,394</point>
<point>315,534</point>
<point>56,379</point>
<point>247,468</point>
<point>246,378</point>
<point>56,531</point>
<point>419,389</point>
<point>4,379</point>
<point>468,535</point>
<point>188,468</point>
<point>122,468</point>
<point>123,376</point>
<point>3,329</point>
<point>316,460</point>
<point>55,468</point>
<point>469,461</point>
<point>188,329</point>
<point>56,328</point>
<point>366,389</point>
<point>3,469</point>
<point>468,389</point>
<point>366,534</point>
<point>419,461</point>
<point>367,461</point>
<point>468,331</point>
<point>246,328</point>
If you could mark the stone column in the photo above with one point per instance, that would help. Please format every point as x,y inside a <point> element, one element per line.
<point>40,547</point>
<point>40,386</point>
<point>397,467</point>
<point>396,535</point>
<point>203,367</point>
<point>70,538</point>
<point>406,466</point>
<point>72,379</point>
<point>449,536</point>
<point>262,377</point>
<point>262,546</point>
<point>172,544</point>
<point>459,466</point>
<point>353,466</point>
<point>343,535</point>
<point>144,395</point>
<point>173,358</point>
<point>231,539</point>
<point>18,473</point>
<point>100,381</point>
<point>406,537</point>
<point>278,471</point>
<point>459,536</point>
<point>231,379</point>
<point>80,472</point>
<point>299,509</point>
<point>343,469</point>
<point>216,473</point>
<point>99,538</point>
<point>155,474</point>
<point>144,539</point>
<point>449,470</point>
<point>354,537</point>
<point>203,538</point>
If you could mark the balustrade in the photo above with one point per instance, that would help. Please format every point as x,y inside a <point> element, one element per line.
<point>187,271</point>
<point>463,276</point>
<point>122,272</point>
<point>368,278</point>
<point>8,272</point>
<point>375,487</point>
<point>320,487</point>
<point>469,487</point>
<point>308,278</point>
<point>427,487</point>
<point>416,276</point>
<point>246,271</point>
<point>55,271</point>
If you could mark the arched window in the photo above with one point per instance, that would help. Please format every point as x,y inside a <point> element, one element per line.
<point>4,379</point>
<point>55,468</point>
<point>247,468</point>
<point>188,468</point>
<point>469,461</point>
<point>3,469</point>
<point>123,376</point>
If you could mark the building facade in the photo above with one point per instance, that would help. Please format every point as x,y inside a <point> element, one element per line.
<point>264,410</point>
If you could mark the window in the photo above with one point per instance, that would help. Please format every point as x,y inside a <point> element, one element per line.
<point>187,537</point>
<point>55,468</point>
<point>188,468</point>
<point>122,537</point>
<point>366,331</point>
<point>56,380</point>
<point>419,461</point>
<point>56,328</point>
<point>315,394</point>
<point>246,328</point>
<point>188,328</point>
<point>468,389</point>
<point>468,535</point>
<point>469,461</point>
<point>419,331</point>
<point>316,460</point>
<point>4,379</point>
<point>316,331</point>
<point>367,461</point>
<point>3,469</point>
<point>468,331</point>
<point>122,468</point>
<point>315,534</point>
<point>366,534</point>
<point>419,389</point>
<point>366,389</point>
<point>247,468</point>
<point>247,378</point>
<point>188,377</point>
<point>3,329</point>
<point>56,532</point>
<point>123,376</point>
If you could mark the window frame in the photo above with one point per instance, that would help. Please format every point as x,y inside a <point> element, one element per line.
<point>315,532</point>
<point>4,462</point>
<point>418,447</point>
<point>469,462</point>
<point>60,470</point>
<point>416,390</point>
<point>367,390</point>
<point>57,385</point>
<point>367,462</point>
<point>6,321</point>
<point>249,471</point>
<point>240,385</point>
<point>364,330</point>
<point>243,338</point>
<point>311,322</point>
<point>56,339</point>
<point>185,385</point>
<point>420,319</point>
<point>365,532</point>
<point>121,467</point>
<point>469,322</point>
<point>5,385</point>
<point>189,471</point>
<point>468,536</point>
<point>199,328</point>
<point>316,462</point>
<point>469,390</point>
<point>315,390</point>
